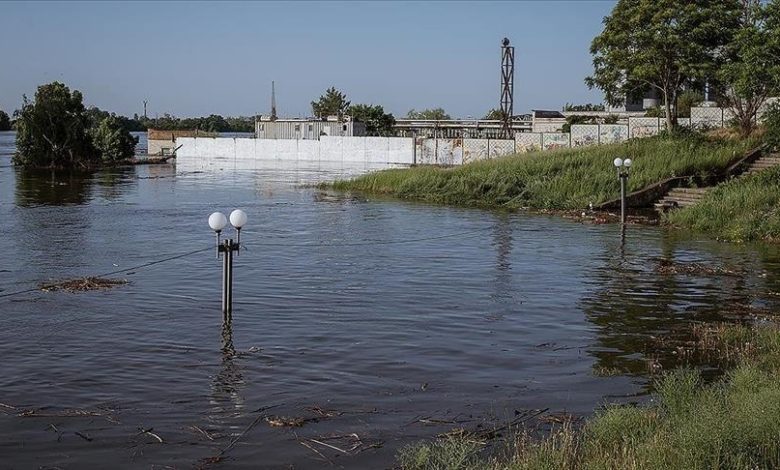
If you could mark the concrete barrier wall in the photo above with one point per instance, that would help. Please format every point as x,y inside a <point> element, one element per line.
<point>248,153</point>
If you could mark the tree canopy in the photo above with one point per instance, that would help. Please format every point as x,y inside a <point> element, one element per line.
<point>5,121</point>
<point>494,114</point>
<point>378,123</point>
<point>332,103</point>
<point>52,130</point>
<point>56,131</point>
<point>751,72</point>
<point>437,114</point>
<point>661,45</point>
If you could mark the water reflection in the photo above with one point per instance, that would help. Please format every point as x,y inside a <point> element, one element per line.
<point>53,188</point>
<point>634,306</point>
<point>503,293</point>
<point>226,398</point>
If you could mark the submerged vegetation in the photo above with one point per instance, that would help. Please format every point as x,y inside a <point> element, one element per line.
<point>733,423</point>
<point>559,179</point>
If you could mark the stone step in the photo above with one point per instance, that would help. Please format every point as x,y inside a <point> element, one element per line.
<point>689,190</point>
<point>686,196</point>
<point>676,202</point>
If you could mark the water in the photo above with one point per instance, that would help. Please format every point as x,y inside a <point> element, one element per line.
<point>339,306</point>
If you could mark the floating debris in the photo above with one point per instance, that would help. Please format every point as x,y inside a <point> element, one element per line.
<point>666,266</point>
<point>83,284</point>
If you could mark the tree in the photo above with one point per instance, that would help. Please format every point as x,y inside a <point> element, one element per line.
<point>494,114</point>
<point>435,114</point>
<point>5,121</point>
<point>112,140</point>
<point>374,117</point>
<point>772,123</point>
<point>686,100</point>
<point>332,103</point>
<point>660,45</point>
<point>583,107</point>
<point>52,130</point>
<point>751,72</point>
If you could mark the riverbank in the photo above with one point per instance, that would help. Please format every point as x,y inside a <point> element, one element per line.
<point>744,209</point>
<point>733,423</point>
<point>568,179</point>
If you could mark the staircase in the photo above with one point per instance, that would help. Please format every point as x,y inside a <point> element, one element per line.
<point>763,163</point>
<point>684,197</point>
<point>681,197</point>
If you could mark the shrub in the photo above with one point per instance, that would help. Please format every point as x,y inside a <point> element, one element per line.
<point>112,140</point>
<point>772,124</point>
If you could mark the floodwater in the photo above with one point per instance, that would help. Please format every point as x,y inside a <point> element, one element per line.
<point>376,320</point>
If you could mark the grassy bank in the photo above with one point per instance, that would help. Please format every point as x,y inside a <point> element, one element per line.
<point>744,209</point>
<point>560,179</point>
<point>734,423</point>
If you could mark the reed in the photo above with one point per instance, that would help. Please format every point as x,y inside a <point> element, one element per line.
<point>743,209</point>
<point>556,179</point>
<point>734,423</point>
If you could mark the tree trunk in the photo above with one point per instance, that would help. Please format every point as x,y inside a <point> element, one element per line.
<point>668,109</point>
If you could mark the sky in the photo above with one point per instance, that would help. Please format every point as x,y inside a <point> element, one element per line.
<point>201,58</point>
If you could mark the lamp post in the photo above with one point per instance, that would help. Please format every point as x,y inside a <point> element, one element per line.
<point>622,170</point>
<point>217,222</point>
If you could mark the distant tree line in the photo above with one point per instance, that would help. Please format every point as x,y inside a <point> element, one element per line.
<point>569,107</point>
<point>5,121</point>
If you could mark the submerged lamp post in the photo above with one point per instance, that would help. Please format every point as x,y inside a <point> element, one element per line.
<point>622,169</point>
<point>217,222</point>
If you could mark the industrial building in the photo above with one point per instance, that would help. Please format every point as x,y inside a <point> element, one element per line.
<point>307,128</point>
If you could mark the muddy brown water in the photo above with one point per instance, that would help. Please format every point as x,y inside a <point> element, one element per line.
<point>351,313</point>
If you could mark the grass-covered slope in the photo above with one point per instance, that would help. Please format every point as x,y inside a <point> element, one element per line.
<point>733,424</point>
<point>560,179</point>
<point>743,209</point>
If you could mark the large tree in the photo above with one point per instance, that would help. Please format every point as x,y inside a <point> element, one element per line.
<point>52,130</point>
<point>374,117</point>
<point>435,114</point>
<point>662,45</point>
<point>751,72</point>
<point>332,103</point>
<point>112,140</point>
<point>5,121</point>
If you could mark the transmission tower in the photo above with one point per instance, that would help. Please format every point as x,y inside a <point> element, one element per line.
<point>507,87</point>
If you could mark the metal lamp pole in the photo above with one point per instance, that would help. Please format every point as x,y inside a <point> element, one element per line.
<point>217,222</point>
<point>622,170</point>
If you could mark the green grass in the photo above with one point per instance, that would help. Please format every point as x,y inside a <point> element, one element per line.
<point>559,179</point>
<point>743,209</point>
<point>731,424</point>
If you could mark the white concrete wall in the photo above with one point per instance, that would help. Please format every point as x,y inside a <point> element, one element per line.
<point>332,152</point>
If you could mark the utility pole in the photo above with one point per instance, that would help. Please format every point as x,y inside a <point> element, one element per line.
<point>145,109</point>
<point>273,101</point>
<point>507,87</point>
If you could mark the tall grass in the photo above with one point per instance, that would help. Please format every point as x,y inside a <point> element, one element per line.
<point>732,424</point>
<point>743,209</point>
<point>559,179</point>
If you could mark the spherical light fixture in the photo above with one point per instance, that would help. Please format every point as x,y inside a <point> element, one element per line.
<point>238,218</point>
<point>618,162</point>
<point>217,221</point>
<point>627,163</point>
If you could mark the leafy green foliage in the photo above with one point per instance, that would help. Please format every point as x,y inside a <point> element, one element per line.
<point>660,45</point>
<point>113,140</point>
<point>437,114</point>
<point>771,120</point>
<point>5,121</point>
<point>52,130</point>
<point>378,123</point>
<point>751,72</point>
<point>577,119</point>
<point>686,100</point>
<point>332,103</point>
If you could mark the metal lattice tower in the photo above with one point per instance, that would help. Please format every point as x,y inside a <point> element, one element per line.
<point>507,87</point>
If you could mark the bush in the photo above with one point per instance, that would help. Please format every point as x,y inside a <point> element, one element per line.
<point>112,140</point>
<point>772,124</point>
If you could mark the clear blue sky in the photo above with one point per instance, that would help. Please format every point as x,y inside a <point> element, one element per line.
<point>201,58</point>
